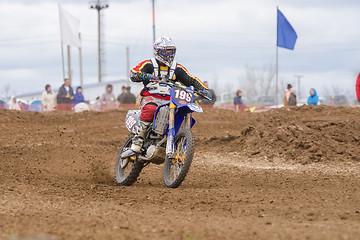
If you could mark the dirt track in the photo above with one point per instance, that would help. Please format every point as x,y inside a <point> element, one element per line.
<point>283,174</point>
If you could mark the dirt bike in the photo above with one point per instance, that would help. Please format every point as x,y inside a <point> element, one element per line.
<point>168,140</point>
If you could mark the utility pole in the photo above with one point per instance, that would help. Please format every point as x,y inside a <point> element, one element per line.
<point>127,66</point>
<point>62,59</point>
<point>99,5</point>
<point>69,63</point>
<point>299,77</point>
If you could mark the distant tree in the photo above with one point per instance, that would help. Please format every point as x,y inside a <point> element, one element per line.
<point>259,82</point>
<point>215,83</point>
<point>333,90</point>
<point>6,90</point>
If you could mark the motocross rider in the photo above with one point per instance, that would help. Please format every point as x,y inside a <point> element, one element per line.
<point>153,94</point>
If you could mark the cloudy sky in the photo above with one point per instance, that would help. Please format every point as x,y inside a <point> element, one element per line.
<point>216,39</point>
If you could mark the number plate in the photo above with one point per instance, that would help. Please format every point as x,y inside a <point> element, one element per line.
<point>182,96</point>
<point>130,123</point>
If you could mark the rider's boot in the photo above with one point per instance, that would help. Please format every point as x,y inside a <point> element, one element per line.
<point>138,139</point>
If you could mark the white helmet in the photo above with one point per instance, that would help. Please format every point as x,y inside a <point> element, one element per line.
<point>164,50</point>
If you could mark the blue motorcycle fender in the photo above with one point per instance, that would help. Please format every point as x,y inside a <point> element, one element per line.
<point>195,108</point>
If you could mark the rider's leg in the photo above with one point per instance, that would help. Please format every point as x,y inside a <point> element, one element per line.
<point>146,118</point>
<point>138,139</point>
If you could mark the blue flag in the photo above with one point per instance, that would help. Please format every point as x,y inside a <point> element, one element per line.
<point>286,35</point>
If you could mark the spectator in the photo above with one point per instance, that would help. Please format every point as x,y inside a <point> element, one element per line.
<point>2,104</point>
<point>65,96</point>
<point>203,101</point>
<point>78,97</point>
<point>313,98</point>
<point>287,95</point>
<point>292,98</point>
<point>48,99</point>
<point>238,102</point>
<point>14,105</point>
<point>129,97</point>
<point>122,95</point>
<point>22,106</point>
<point>108,97</point>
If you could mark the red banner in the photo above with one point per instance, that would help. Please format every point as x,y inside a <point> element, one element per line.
<point>357,87</point>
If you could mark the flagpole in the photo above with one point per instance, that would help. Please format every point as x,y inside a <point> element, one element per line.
<point>277,75</point>
<point>285,38</point>
<point>153,13</point>
<point>80,63</point>
<point>277,60</point>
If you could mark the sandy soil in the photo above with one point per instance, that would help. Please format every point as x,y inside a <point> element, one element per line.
<point>281,174</point>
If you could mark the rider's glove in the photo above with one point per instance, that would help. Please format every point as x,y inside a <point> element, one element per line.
<point>147,77</point>
<point>206,93</point>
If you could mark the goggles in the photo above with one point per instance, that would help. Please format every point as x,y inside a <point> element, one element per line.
<point>167,52</point>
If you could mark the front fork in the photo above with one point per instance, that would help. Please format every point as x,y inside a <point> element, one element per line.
<point>171,134</point>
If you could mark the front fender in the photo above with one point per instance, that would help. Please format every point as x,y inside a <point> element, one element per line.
<point>193,107</point>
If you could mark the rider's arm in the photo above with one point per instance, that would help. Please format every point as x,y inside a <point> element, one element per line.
<point>183,76</point>
<point>137,73</point>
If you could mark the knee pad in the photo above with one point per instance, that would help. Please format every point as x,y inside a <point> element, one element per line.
<point>148,112</point>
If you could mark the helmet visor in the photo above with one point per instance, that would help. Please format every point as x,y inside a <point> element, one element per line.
<point>167,53</point>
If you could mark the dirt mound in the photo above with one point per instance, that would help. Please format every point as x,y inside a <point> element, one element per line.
<point>306,134</point>
<point>56,178</point>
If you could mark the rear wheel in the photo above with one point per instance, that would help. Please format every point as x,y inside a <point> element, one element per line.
<point>127,170</point>
<point>175,169</point>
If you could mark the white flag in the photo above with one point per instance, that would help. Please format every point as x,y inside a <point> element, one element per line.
<point>69,27</point>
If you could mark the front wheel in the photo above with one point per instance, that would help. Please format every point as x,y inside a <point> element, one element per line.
<point>127,170</point>
<point>175,169</point>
